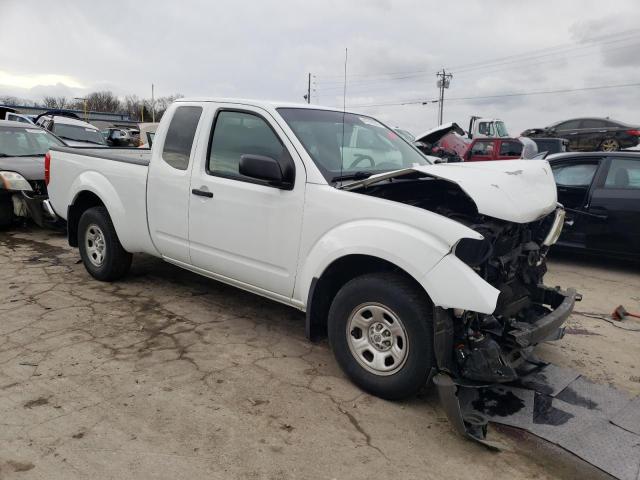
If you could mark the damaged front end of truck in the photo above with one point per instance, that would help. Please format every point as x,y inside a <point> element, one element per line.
<point>516,214</point>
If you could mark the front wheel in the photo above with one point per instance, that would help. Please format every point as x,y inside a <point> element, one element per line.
<point>380,331</point>
<point>101,251</point>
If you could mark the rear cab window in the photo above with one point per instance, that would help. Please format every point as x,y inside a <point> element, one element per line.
<point>180,134</point>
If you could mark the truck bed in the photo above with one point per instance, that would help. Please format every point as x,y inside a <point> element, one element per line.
<point>117,176</point>
<point>136,156</point>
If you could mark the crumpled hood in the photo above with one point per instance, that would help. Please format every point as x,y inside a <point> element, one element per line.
<point>435,134</point>
<point>518,191</point>
<point>31,168</point>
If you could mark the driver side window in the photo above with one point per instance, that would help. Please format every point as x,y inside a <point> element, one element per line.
<point>236,134</point>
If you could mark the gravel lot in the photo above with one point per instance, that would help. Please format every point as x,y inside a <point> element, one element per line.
<point>170,375</point>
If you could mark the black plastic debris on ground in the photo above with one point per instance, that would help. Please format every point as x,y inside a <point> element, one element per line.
<point>598,423</point>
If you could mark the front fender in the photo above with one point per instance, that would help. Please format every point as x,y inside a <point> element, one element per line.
<point>407,247</point>
<point>449,282</point>
<point>452,284</point>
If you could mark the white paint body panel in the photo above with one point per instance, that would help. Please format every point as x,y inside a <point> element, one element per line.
<point>275,242</point>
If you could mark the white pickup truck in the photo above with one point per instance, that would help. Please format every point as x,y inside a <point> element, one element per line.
<point>412,269</point>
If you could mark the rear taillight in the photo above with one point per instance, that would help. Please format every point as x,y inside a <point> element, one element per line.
<point>47,168</point>
<point>634,133</point>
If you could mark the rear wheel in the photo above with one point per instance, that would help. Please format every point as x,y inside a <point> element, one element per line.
<point>6,211</point>
<point>380,331</point>
<point>101,251</point>
<point>610,145</point>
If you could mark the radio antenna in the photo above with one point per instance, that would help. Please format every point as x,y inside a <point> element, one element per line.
<point>344,109</point>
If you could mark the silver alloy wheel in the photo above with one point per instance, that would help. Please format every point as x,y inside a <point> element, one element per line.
<point>377,339</point>
<point>95,245</point>
<point>609,145</point>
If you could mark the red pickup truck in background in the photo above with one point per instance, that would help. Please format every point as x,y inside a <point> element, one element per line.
<point>449,142</point>
<point>484,149</point>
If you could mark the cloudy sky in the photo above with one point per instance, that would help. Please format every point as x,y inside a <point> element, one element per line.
<point>264,49</point>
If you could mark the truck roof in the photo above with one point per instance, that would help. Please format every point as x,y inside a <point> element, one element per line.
<point>265,104</point>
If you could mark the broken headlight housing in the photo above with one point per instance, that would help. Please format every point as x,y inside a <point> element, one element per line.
<point>473,251</point>
<point>556,228</point>
<point>14,181</point>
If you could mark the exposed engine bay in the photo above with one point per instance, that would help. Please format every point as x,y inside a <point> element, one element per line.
<point>487,348</point>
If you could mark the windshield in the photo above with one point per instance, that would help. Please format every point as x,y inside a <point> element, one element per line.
<point>501,129</point>
<point>368,147</point>
<point>78,133</point>
<point>25,142</point>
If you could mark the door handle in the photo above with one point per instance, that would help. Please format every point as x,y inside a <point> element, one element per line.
<point>202,193</point>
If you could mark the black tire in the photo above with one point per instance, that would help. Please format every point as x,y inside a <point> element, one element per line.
<point>6,211</point>
<point>411,305</point>
<point>116,261</point>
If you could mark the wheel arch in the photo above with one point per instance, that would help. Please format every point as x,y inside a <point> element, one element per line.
<point>83,201</point>
<point>324,287</point>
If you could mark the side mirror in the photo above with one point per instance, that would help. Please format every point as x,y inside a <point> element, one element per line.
<point>266,168</point>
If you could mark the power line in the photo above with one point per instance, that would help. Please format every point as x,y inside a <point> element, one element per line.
<point>502,95</point>
<point>382,84</point>
<point>510,59</point>
<point>609,50</point>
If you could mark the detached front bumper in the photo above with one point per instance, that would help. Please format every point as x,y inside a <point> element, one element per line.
<point>39,209</point>
<point>549,326</point>
<point>494,353</point>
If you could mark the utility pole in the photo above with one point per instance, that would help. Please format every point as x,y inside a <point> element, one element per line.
<point>153,106</point>
<point>84,103</point>
<point>444,80</point>
<point>307,97</point>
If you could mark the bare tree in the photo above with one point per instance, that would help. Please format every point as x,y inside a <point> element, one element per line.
<point>55,102</point>
<point>11,100</point>
<point>104,101</point>
<point>163,103</point>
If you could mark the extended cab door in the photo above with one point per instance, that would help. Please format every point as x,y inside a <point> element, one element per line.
<point>241,229</point>
<point>168,193</point>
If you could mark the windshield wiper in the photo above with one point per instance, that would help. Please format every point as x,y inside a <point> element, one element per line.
<point>359,175</point>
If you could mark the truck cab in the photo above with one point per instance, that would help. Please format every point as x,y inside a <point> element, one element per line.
<point>487,128</point>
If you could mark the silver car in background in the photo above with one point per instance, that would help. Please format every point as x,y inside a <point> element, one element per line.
<point>22,172</point>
